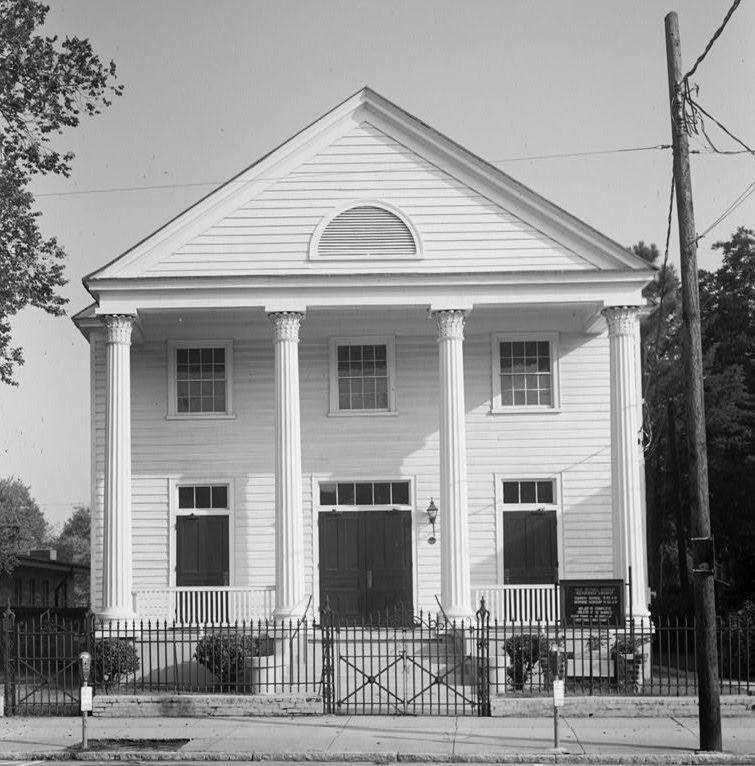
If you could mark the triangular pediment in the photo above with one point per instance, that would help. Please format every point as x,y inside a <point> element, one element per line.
<point>466,215</point>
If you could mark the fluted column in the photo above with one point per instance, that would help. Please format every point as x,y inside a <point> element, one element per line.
<point>626,453</point>
<point>117,599</point>
<point>454,537</point>
<point>289,536</point>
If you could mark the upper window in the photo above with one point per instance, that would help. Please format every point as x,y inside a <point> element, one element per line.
<point>528,491</point>
<point>361,375</point>
<point>199,379</point>
<point>364,493</point>
<point>525,373</point>
<point>203,496</point>
<point>370,230</point>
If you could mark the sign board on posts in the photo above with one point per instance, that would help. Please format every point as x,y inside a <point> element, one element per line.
<point>585,601</point>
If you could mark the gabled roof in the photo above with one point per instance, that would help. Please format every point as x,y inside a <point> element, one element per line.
<point>598,251</point>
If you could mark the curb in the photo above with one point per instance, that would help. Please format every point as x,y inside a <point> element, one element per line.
<point>610,759</point>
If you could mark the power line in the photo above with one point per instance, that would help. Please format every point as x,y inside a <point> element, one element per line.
<point>313,176</point>
<point>664,270</point>
<point>697,106</point>
<point>668,224</point>
<point>110,189</point>
<point>730,209</point>
<point>713,39</point>
<point>582,154</point>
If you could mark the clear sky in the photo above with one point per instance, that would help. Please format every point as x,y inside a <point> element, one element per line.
<point>211,86</point>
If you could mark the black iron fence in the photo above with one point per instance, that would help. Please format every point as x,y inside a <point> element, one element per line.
<point>239,658</point>
<point>39,662</point>
<point>394,663</point>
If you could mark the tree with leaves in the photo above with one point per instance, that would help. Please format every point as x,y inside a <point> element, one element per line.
<point>668,528</point>
<point>22,524</point>
<point>727,307</point>
<point>46,85</point>
<point>73,542</point>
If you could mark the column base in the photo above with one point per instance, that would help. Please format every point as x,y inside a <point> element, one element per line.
<point>115,614</point>
<point>459,616</point>
<point>284,614</point>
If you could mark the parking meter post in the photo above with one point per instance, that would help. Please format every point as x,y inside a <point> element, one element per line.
<point>558,695</point>
<point>84,740</point>
<point>555,706</point>
<point>555,728</point>
<point>85,695</point>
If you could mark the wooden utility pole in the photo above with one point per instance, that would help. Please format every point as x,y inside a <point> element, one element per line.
<point>704,566</point>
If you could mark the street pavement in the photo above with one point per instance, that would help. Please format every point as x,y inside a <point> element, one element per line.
<point>380,739</point>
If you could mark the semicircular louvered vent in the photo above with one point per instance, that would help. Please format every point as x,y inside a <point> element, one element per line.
<point>366,230</point>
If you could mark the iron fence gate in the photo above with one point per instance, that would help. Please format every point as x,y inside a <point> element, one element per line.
<point>405,664</point>
<point>40,663</point>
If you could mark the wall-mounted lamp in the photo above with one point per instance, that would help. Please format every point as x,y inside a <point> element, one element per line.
<point>432,514</point>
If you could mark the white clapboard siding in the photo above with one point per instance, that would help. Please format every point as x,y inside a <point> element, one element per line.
<point>457,226</point>
<point>573,445</point>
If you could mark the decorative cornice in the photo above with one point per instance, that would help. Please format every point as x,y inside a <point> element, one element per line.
<point>118,328</point>
<point>622,320</point>
<point>286,325</point>
<point>450,323</point>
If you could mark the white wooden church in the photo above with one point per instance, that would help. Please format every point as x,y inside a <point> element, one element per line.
<point>368,341</point>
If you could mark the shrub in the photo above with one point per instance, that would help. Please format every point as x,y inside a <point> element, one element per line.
<point>226,654</point>
<point>737,644</point>
<point>525,650</point>
<point>629,645</point>
<point>114,658</point>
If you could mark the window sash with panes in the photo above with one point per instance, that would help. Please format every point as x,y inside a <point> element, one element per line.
<point>362,376</point>
<point>525,373</point>
<point>201,380</point>
<point>529,492</point>
<point>203,497</point>
<point>364,493</point>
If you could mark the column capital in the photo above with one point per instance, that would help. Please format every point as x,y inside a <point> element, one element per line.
<point>622,320</point>
<point>118,328</point>
<point>450,323</point>
<point>286,325</point>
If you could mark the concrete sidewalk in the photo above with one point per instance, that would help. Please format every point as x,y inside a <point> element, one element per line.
<point>382,739</point>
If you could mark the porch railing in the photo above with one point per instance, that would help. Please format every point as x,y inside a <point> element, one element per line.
<point>518,604</point>
<point>205,605</point>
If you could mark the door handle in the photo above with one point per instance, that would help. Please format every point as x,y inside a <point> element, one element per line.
<point>369,578</point>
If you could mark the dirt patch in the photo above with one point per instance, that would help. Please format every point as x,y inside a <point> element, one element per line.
<point>158,745</point>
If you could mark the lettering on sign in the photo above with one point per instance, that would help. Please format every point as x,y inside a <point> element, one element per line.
<point>585,601</point>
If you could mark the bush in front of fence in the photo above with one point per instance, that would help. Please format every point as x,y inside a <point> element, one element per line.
<point>227,654</point>
<point>114,659</point>
<point>525,650</point>
<point>737,644</point>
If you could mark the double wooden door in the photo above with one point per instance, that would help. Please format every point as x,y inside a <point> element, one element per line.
<point>365,562</point>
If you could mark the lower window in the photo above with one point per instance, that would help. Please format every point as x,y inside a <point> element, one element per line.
<point>202,550</point>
